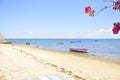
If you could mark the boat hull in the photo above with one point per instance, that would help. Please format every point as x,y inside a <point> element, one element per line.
<point>83,50</point>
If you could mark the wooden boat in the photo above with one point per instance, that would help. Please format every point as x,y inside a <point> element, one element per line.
<point>84,50</point>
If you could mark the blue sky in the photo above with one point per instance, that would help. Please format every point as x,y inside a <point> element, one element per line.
<point>56,19</point>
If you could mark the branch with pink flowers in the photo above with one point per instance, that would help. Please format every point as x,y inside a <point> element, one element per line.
<point>115,6</point>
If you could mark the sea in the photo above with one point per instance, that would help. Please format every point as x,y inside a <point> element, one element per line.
<point>103,48</point>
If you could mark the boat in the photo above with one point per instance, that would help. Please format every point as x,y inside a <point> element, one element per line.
<point>83,50</point>
<point>60,43</point>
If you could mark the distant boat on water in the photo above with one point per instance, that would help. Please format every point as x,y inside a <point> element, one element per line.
<point>60,43</point>
<point>75,41</point>
<point>96,41</point>
<point>83,50</point>
<point>72,41</point>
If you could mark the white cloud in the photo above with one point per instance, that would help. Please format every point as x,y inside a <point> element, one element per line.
<point>99,33</point>
<point>102,30</point>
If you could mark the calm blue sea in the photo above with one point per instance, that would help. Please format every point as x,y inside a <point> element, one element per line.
<point>105,48</point>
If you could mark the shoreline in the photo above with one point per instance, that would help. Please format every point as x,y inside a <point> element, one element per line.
<point>76,66</point>
<point>93,56</point>
<point>97,49</point>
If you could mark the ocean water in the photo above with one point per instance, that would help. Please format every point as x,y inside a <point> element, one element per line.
<point>105,48</point>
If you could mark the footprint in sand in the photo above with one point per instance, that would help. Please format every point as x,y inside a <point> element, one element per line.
<point>61,69</point>
<point>78,77</point>
<point>52,65</point>
<point>68,72</point>
<point>2,78</point>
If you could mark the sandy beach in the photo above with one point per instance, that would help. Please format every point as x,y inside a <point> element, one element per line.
<point>21,62</point>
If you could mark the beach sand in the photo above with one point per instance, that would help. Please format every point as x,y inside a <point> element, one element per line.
<point>21,62</point>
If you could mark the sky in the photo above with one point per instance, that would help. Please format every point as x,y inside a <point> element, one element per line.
<point>56,19</point>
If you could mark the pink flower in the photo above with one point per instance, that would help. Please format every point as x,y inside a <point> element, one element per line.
<point>116,28</point>
<point>117,5</point>
<point>114,8</point>
<point>87,9</point>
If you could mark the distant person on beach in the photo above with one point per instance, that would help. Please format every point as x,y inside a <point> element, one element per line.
<point>21,50</point>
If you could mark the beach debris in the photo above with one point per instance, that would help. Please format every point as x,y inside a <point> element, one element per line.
<point>7,42</point>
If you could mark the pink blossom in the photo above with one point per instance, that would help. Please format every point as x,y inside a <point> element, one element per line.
<point>116,28</point>
<point>117,5</point>
<point>87,9</point>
